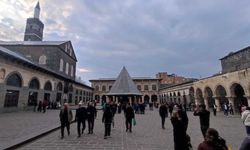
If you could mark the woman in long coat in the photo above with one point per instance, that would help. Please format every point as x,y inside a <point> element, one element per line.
<point>180,136</point>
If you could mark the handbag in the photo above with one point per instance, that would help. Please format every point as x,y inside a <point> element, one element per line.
<point>134,121</point>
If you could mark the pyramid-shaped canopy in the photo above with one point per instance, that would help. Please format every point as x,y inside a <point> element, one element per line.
<point>124,85</point>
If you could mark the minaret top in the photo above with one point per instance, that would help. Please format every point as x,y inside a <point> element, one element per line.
<point>37,10</point>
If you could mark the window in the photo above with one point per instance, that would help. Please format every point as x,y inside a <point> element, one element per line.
<point>59,86</point>
<point>11,98</point>
<point>2,73</point>
<point>139,87</point>
<point>103,88</point>
<point>61,64</point>
<point>97,88</point>
<point>34,84</point>
<point>42,60</point>
<point>14,80</point>
<point>76,92</point>
<point>67,68</point>
<point>154,87</point>
<point>145,87</point>
<point>72,71</point>
<point>48,86</point>
<point>110,87</point>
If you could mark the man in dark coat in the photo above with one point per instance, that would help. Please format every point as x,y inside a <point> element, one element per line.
<point>180,136</point>
<point>107,120</point>
<point>129,114</point>
<point>65,118</point>
<point>204,118</point>
<point>170,108</point>
<point>163,111</point>
<point>91,115</point>
<point>183,116</point>
<point>81,115</point>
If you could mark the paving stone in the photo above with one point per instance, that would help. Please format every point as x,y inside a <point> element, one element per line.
<point>146,135</point>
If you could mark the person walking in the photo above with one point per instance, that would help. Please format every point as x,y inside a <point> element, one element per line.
<point>170,108</point>
<point>214,109</point>
<point>65,119</point>
<point>246,119</point>
<point>80,118</point>
<point>107,120</point>
<point>183,116</point>
<point>225,109</point>
<point>180,137</point>
<point>44,105</point>
<point>163,111</point>
<point>39,108</point>
<point>231,110</point>
<point>204,118</point>
<point>113,108</point>
<point>213,141</point>
<point>91,115</point>
<point>129,115</point>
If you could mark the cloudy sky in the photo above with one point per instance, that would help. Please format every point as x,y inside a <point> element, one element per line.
<point>185,37</point>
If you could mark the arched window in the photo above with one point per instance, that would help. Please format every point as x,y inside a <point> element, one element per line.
<point>97,88</point>
<point>14,80</point>
<point>139,87</point>
<point>59,86</point>
<point>103,88</point>
<point>48,86</point>
<point>61,64</point>
<point>72,70</point>
<point>42,60</point>
<point>67,68</point>
<point>34,84</point>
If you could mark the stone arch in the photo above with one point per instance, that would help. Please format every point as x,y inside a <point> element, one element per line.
<point>104,99</point>
<point>14,79</point>
<point>191,95</point>
<point>238,95</point>
<point>14,82</point>
<point>174,96</point>
<point>208,95</point>
<point>48,86</point>
<point>154,98</point>
<point>146,99</point>
<point>34,83</point>
<point>179,97</point>
<point>221,94</point>
<point>59,86</point>
<point>97,88</point>
<point>2,73</point>
<point>199,96</point>
<point>104,88</point>
<point>171,97</point>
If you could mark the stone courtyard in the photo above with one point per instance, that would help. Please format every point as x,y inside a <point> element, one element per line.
<point>146,135</point>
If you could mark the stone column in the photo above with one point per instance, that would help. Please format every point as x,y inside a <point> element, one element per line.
<point>231,100</point>
<point>217,102</point>
<point>206,103</point>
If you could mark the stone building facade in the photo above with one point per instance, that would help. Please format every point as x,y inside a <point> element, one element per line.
<point>147,86</point>
<point>230,86</point>
<point>34,70</point>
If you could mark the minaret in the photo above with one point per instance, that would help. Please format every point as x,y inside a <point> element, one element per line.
<point>34,26</point>
<point>37,11</point>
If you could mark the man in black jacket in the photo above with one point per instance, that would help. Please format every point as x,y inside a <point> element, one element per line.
<point>91,115</point>
<point>107,120</point>
<point>163,111</point>
<point>129,114</point>
<point>204,118</point>
<point>81,115</point>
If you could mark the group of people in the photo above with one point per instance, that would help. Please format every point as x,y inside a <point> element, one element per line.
<point>89,114</point>
<point>82,115</point>
<point>179,120</point>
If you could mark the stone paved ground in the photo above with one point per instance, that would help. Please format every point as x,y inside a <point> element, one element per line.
<point>147,135</point>
<point>19,126</point>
